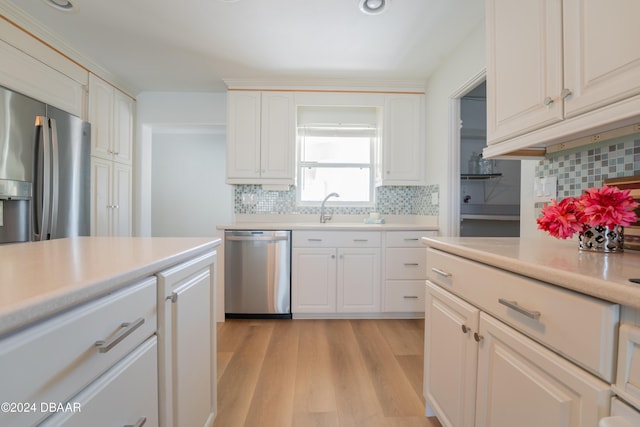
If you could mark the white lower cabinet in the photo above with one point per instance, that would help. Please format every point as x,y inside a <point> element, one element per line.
<point>335,272</point>
<point>127,395</point>
<point>73,356</point>
<point>187,342</point>
<point>405,271</point>
<point>110,198</point>
<point>494,356</point>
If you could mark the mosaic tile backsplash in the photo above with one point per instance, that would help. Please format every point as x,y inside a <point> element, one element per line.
<point>580,170</point>
<point>407,200</point>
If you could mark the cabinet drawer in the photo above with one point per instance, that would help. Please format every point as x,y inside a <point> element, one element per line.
<point>407,239</point>
<point>628,376</point>
<point>406,263</point>
<point>125,395</point>
<point>68,345</point>
<point>580,327</point>
<point>345,239</point>
<point>404,296</point>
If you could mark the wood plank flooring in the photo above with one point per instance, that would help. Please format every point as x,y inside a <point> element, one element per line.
<point>333,373</point>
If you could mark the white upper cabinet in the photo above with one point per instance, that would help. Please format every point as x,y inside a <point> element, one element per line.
<point>261,137</point>
<point>559,70</point>
<point>602,53</point>
<point>524,68</point>
<point>403,140</point>
<point>111,117</point>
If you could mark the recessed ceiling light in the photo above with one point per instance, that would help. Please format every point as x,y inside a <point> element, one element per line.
<point>373,7</point>
<point>63,5</point>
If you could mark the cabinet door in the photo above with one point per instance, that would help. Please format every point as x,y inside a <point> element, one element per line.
<point>192,350</point>
<point>450,357</point>
<point>243,134</point>
<point>123,128</point>
<point>358,283</point>
<point>101,181</point>
<point>313,280</point>
<point>602,53</point>
<point>521,383</point>
<point>101,117</point>
<point>121,211</point>
<point>524,66</point>
<point>277,143</point>
<point>403,140</point>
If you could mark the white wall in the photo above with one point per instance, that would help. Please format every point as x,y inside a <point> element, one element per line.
<point>189,201</point>
<point>464,64</point>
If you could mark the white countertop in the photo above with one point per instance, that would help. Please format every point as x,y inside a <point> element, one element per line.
<point>558,262</point>
<point>39,279</point>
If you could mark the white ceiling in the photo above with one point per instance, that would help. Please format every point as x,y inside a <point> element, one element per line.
<point>193,45</point>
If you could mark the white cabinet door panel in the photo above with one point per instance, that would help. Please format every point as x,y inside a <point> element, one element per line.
<point>450,364</point>
<point>278,135</point>
<point>313,273</point>
<point>602,53</point>
<point>524,66</point>
<point>514,372</point>
<point>358,280</point>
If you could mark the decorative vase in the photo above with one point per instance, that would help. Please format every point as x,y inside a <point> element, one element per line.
<point>602,239</point>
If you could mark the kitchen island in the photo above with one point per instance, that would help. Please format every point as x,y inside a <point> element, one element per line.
<point>512,320</point>
<point>111,328</point>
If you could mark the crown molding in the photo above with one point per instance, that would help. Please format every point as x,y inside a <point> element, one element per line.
<point>329,85</point>
<point>37,30</point>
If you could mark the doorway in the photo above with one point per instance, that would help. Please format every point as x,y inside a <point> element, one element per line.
<point>488,191</point>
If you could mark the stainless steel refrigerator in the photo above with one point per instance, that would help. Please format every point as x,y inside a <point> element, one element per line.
<point>45,171</point>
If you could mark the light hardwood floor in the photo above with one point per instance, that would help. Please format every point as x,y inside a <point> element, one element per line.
<point>334,373</point>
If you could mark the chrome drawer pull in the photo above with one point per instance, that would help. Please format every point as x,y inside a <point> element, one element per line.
<point>315,240</point>
<point>128,328</point>
<point>360,240</point>
<point>411,264</point>
<point>410,297</point>
<point>535,315</point>
<point>411,240</point>
<point>142,421</point>
<point>440,272</point>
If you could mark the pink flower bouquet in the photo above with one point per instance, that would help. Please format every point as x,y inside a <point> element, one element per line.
<point>607,207</point>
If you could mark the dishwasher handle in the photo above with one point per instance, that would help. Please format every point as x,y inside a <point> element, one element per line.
<point>258,238</point>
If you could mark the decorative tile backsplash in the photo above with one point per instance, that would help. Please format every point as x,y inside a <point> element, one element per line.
<point>580,170</point>
<point>394,200</point>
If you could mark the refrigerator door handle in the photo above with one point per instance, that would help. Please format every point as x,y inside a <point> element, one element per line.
<point>42,224</point>
<point>55,173</point>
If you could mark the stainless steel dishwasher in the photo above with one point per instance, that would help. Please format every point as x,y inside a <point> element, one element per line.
<point>257,274</point>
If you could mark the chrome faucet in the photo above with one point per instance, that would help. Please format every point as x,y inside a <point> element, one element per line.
<point>323,217</point>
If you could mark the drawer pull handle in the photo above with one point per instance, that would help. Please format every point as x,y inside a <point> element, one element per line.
<point>127,329</point>
<point>440,272</point>
<point>411,264</point>
<point>415,239</point>
<point>535,315</point>
<point>315,240</point>
<point>410,297</point>
<point>142,421</point>
<point>360,240</point>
